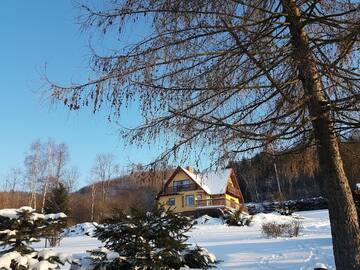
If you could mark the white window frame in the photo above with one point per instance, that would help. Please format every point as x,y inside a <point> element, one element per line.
<point>187,202</point>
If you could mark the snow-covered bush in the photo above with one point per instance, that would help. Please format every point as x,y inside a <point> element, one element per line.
<point>286,207</point>
<point>86,228</point>
<point>236,217</point>
<point>274,229</point>
<point>285,210</point>
<point>199,257</point>
<point>42,260</point>
<point>19,228</point>
<point>102,258</point>
<point>146,240</point>
<point>207,220</point>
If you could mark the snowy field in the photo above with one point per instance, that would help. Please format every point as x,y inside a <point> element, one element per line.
<point>246,247</point>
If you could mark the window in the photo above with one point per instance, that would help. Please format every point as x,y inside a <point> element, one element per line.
<point>181,185</point>
<point>198,197</point>
<point>171,201</point>
<point>189,200</point>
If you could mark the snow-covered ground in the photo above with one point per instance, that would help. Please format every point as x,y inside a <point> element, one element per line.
<point>246,247</point>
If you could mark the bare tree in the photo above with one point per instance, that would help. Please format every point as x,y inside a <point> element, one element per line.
<point>103,171</point>
<point>35,168</point>
<point>46,166</point>
<point>231,76</point>
<point>93,188</point>
<point>14,179</point>
<point>55,158</point>
<point>71,178</point>
<point>11,183</point>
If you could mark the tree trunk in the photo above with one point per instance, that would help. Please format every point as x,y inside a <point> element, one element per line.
<point>343,216</point>
<point>44,197</point>
<point>92,202</point>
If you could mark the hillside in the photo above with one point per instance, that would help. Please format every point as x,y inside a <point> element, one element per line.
<point>137,189</point>
<point>298,174</point>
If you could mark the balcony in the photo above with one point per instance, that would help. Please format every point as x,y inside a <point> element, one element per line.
<point>217,202</point>
<point>176,189</point>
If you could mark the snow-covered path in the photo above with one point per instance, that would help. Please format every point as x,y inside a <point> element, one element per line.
<point>247,248</point>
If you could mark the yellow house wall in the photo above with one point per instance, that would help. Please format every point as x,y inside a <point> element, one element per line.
<point>231,198</point>
<point>179,176</point>
<point>178,207</point>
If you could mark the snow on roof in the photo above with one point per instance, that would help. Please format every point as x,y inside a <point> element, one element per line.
<point>211,182</point>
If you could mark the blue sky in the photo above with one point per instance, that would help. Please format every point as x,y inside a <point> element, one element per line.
<point>38,33</point>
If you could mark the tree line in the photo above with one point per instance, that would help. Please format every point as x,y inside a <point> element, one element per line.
<point>46,165</point>
<point>268,177</point>
<point>48,182</point>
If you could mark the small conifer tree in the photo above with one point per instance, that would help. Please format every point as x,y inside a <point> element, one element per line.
<point>236,217</point>
<point>19,229</point>
<point>58,201</point>
<point>146,240</point>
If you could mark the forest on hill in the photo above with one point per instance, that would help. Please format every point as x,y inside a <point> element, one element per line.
<point>298,176</point>
<point>137,189</point>
<point>267,177</point>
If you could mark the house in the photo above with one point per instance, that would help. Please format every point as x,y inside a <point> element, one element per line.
<point>195,194</point>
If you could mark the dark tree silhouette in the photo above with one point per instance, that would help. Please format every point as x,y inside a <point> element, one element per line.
<point>58,200</point>
<point>232,76</point>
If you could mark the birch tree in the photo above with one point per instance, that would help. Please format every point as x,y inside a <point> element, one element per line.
<point>35,168</point>
<point>46,166</point>
<point>234,76</point>
<point>103,171</point>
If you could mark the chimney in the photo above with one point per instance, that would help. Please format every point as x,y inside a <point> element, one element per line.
<point>190,169</point>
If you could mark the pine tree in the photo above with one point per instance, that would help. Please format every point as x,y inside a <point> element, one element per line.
<point>19,229</point>
<point>147,240</point>
<point>236,217</point>
<point>58,200</point>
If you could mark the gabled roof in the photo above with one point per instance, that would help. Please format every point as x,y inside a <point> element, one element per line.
<point>211,182</point>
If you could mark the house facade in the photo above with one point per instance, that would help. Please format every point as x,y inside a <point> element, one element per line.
<point>193,193</point>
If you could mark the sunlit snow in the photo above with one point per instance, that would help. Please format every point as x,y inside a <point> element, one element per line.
<point>246,247</point>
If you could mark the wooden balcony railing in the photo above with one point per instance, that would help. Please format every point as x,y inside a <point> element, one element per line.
<point>222,202</point>
<point>175,189</point>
